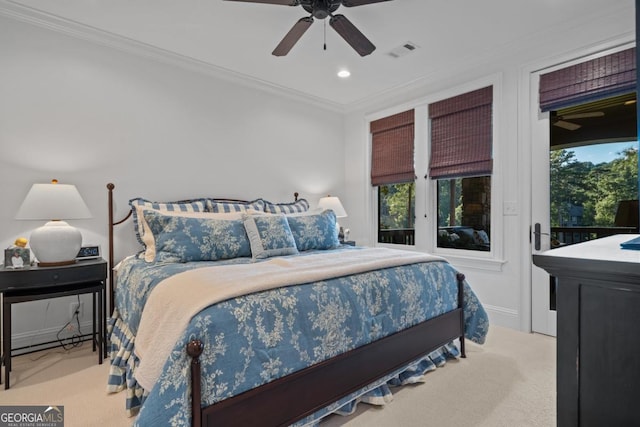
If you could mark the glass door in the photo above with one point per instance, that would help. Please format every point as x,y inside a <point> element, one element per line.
<point>585,185</point>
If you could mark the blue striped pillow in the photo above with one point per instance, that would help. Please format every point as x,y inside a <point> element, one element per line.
<point>298,206</point>
<point>226,206</point>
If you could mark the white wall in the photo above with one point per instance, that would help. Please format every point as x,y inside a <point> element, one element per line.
<point>88,115</point>
<point>502,282</point>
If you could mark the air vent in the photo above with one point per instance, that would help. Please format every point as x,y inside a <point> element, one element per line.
<point>403,50</point>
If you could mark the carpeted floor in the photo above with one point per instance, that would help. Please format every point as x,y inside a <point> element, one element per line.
<point>508,381</point>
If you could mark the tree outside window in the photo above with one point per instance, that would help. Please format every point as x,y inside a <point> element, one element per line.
<point>464,213</point>
<point>396,213</point>
<point>584,194</point>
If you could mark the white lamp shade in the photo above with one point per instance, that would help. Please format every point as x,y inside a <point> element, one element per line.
<point>53,201</point>
<point>55,243</point>
<point>333,203</point>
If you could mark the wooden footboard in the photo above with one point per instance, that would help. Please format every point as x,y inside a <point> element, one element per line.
<point>291,398</point>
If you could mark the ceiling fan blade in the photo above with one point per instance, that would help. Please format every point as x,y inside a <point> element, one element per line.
<point>352,3</point>
<point>282,2</point>
<point>293,36</point>
<point>567,125</point>
<point>583,115</point>
<point>351,35</point>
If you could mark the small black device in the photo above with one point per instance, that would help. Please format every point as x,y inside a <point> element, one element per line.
<point>89,252</point>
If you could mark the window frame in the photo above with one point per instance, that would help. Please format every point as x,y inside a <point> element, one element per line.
<point>464,256</point>
<point>426,223</point>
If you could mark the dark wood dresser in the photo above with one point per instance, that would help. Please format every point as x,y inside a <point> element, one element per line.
<point>598,338</point>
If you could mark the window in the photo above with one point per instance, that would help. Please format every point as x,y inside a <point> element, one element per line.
<point>396,207</point>
<point>392,171</point>
<point>461,164</point>
<point>464,213</point>
<point>594,170</point>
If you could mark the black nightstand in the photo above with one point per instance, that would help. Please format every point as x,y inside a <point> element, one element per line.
<point>36,283</point>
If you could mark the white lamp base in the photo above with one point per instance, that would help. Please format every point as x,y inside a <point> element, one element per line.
<point>56,243</point>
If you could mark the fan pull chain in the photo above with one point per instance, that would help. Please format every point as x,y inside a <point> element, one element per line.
<point>325,34</point>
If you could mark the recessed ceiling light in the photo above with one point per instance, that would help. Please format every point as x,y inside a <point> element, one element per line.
<point>344,74</point>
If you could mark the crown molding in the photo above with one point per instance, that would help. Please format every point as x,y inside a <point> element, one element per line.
<point>18,12</point>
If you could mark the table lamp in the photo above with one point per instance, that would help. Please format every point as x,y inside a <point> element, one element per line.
<point>56,242</point>
<point>627,214</point>
<point>333,203</point>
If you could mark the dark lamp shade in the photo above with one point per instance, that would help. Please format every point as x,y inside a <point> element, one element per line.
<point>627,214</point>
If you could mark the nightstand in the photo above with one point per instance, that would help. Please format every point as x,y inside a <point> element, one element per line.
<point>36,283</point>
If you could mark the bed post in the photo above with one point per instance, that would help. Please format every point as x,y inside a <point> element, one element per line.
<point>112,224</point>
<point>194,350</point>
<point>461,278</point>
<point>110,187</point>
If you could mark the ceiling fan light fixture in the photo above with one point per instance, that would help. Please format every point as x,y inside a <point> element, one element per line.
<point>344,73</point>
<point>322,9</point>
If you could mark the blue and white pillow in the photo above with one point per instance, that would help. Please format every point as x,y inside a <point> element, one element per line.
<point>314,231</point>
<point>269,235</point>
<point>186,238</point>
<point>298,206</point>
<point>139,204</point>
<point>219,205</point>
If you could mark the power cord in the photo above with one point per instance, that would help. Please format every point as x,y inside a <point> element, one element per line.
<point>76,339</point>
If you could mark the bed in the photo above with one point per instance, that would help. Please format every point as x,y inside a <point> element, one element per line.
<point>252,313</point>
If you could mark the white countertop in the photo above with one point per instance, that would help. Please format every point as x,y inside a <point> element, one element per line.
<point>604,249</point>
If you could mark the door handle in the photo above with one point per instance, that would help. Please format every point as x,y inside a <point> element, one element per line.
<point>536,236</point>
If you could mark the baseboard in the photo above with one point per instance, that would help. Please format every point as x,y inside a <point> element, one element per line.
<point>37,340</point>
<point>502,316</point>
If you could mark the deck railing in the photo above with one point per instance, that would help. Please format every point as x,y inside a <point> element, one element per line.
<point>571,235</point>
<point>560,236</point>
<point>401,236</point>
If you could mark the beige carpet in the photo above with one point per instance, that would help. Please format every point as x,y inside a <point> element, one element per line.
<point>509,381</point>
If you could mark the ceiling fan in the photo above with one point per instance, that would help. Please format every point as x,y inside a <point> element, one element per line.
<point>320,9</point>
<point>562,121</point>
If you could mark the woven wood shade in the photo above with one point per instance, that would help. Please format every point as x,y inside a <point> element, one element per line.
<point>392,149</point>
<point>461,135</point>
<point>599,78</point>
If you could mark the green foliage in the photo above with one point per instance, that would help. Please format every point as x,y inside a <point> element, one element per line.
<point>595,188</point>
<point>397,206</point>
<point>444,208</point>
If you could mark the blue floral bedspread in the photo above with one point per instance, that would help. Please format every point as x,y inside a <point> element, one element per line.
<point>254,339</point>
